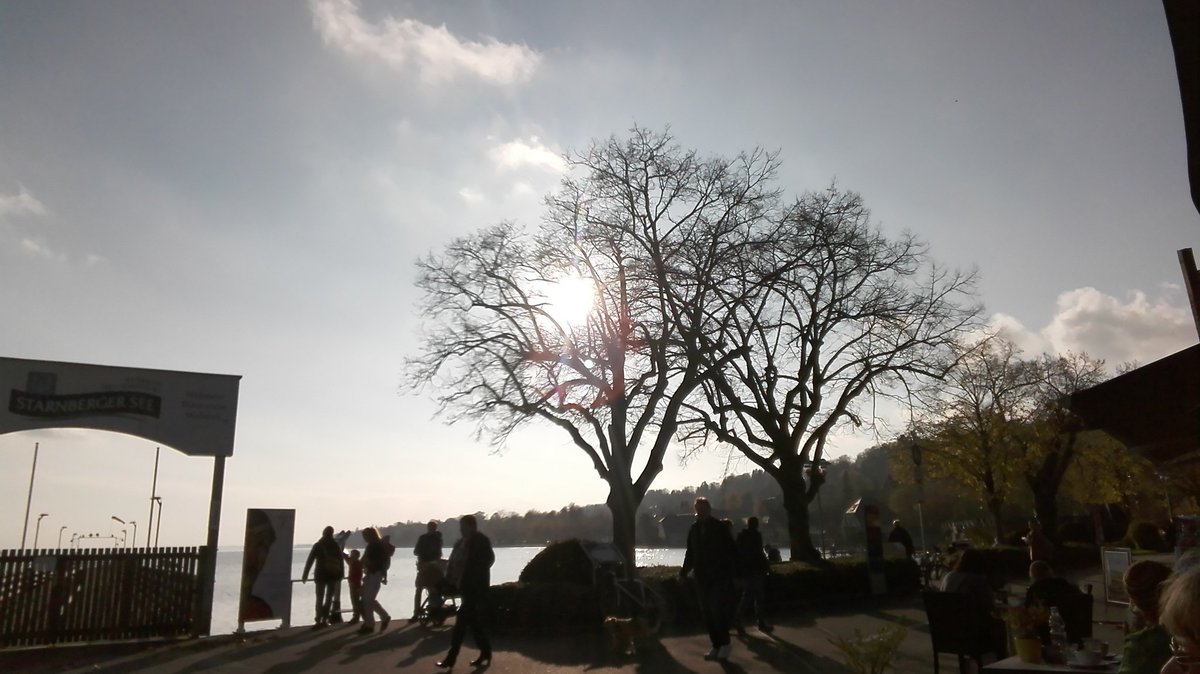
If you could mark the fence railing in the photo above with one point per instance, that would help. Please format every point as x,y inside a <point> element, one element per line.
<point>57,596</point>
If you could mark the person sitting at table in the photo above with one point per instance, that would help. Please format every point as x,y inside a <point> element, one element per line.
<point>1180,603</point>
<point>969,576</point>
<point>1148,649</point>
<point>1049,589</point>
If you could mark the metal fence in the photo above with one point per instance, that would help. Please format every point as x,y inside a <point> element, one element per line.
<point>58,596</point>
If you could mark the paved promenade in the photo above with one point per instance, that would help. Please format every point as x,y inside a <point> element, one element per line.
<point>800,643</point>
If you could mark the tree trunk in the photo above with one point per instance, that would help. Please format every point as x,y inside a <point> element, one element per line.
<point>795,502</point>
<point>623,505</point>
<point>1045,508</point>
<point>995,506</point>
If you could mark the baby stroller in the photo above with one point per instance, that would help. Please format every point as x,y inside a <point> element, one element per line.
<point>441,600</point>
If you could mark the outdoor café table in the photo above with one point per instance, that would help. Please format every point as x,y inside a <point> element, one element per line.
<point>1013,664</point>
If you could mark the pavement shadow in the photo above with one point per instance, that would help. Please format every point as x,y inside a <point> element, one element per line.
<point>783,655</point>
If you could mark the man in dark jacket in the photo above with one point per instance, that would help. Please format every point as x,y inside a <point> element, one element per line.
<point>326,555</point>
<point>429,554</point>
<point>753,568</point>
<point>712,554</point>
<point>900,535</point>
<point>470,570</point>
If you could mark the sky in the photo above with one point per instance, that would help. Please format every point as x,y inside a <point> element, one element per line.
<point>243,188</point>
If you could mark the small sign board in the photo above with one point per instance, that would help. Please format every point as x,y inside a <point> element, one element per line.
<point>266,588</point>
<point>1114,562</point>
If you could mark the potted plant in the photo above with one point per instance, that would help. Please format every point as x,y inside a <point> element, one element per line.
<point>1023,623</point>
<point>870,654</point>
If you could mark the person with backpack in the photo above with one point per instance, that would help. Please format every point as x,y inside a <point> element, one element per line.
<point>376,559</point>
<point>326,556</point>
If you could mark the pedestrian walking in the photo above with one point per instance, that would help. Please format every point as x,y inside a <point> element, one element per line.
<point>711,553</point>
<point>469,570</point>
<point>752,567</point>
<point>376,561</point>
<point>429,571</point>
<point>354,580</point>
<point>326,556</point>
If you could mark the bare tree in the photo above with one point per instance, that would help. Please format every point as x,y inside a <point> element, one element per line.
<point>823,315</point>
<point>647,228</point>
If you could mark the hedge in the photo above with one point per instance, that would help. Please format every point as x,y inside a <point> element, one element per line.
<point>560,606</point>
<point>564,607</point>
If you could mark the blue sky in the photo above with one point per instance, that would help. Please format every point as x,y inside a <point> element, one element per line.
<point>242,188</point>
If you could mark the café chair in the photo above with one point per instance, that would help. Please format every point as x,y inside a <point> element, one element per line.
<point>958,625</point>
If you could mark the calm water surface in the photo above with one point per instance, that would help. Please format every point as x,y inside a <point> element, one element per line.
<point>396,597</point>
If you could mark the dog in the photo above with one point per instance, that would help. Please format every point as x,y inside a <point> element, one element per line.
<point>625,633</point>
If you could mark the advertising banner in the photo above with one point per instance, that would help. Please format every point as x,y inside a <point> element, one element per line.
<point>192,413</point>
<point>1114,562</point>
<point>267,566</point>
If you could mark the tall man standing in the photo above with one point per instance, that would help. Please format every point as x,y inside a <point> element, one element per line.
<point>712,553</point>
<point>470,569</point>
<point>326,555</point>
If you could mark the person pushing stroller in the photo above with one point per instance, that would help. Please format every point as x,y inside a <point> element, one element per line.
<point>430,566</point>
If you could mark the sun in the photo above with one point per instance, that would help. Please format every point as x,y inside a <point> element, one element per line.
<point>569,300</point>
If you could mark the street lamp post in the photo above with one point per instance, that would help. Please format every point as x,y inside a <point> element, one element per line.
<point>916,459</point>
<point>29,498</point>
<point>60,533</point>
<point>38,529</point>
<point>133,541</point>
<point>158,522</point>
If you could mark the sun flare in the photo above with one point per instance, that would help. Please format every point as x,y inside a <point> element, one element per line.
<point>569,300</point>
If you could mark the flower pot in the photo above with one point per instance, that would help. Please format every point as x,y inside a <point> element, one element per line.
<point>1029,649</point>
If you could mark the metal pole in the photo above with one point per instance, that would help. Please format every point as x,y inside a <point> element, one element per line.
<point>208,571</point>
<point>60,533</point>
<point>153,491</point>
<point>38,529</point>
<point>158,524</point>
<point>29,499</point>
<point>821,513</point>
<point>133,540</point>
<point>921,519</point>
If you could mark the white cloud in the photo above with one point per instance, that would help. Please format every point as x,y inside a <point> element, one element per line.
<point>517,154</point>
<point>31,247</point>
<point>21,203</point>
<point>1087,320</point>
<point>1028,341</point>
<point>470,195</point>
<point>434,52</point>
<point>1102,325</point>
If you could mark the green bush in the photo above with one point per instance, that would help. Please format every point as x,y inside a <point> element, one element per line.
<point>1075,532</point>
<point>559,562</point>
<point>790,583</point>
<point>549,607</point>
<point>1144,536</point>
<point>1007,562</point>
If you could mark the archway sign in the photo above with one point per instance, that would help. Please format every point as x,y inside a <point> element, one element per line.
<point>193,413</point>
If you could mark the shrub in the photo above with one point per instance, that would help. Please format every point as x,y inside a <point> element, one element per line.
<point>1075,532</point>
<point>871,654</point>
<point>559,562</point>
<point>547,607</point>
<point>790,583</point>
<point>1144,536</point>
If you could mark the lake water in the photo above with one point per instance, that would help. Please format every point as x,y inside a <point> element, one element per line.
<point>396,597</point>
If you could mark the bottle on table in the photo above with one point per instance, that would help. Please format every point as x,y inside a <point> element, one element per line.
<point>1056,652</point>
